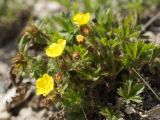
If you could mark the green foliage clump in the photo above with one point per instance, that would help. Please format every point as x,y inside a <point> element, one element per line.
<point>88,74</point>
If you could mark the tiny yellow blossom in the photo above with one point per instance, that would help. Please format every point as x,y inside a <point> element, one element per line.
<point>80,38</point>
<point>44,85</point>
<point>56,49</point>
<point>81,19</point>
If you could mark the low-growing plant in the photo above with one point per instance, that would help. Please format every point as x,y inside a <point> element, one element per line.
<point>79,59</point>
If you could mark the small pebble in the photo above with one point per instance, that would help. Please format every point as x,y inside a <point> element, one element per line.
<point>130,110</point>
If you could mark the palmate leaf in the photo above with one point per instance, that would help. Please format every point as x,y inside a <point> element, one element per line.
<point>131,92</point>
<point>136,51</point>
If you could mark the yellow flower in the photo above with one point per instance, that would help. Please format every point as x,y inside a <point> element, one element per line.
<point>56,49</point>
<point>44,85</point>
<point>79,38</point>
<point>81,19</point>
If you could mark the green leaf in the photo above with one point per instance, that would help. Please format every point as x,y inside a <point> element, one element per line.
<point>131,91</point>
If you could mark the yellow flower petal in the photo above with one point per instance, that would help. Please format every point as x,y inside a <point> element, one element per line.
<point>44,85</point>
<point>53,50</point>
<point>81,19</point>
<point>61,42</point>
<point>56,49</point>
